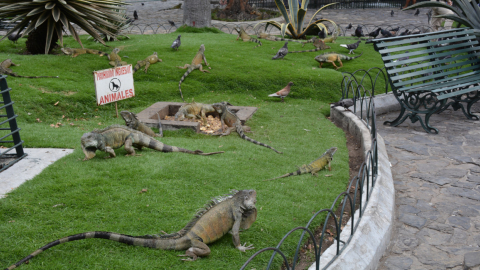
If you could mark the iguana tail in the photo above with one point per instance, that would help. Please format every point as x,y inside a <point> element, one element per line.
<point>159,146</point>
<point>298,172</point>
<point>32,77</point>
<point>345,57</point>
<point>100,53</point>
<point>287,39</point>
<point>150,242</point>
<point>245,137</point>
<point>138,66</point>
<point>256,41</point>
<point>313,50</point>
<point>189,70</point>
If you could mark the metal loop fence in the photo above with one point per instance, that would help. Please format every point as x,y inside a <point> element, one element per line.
<point>351,203</point>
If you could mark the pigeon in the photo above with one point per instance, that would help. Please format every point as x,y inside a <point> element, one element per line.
<point>135,15</point>
<point>386,33</point>
<point>351,47</point>
<point>14,37</point>
<point>176,43</point>
<point>143,4</point>
<point>172,23</point>
<point>349,27</point>
<point>406,32</point>
<point>282,52</point>
<point>282,93</point>
<point>395,29</point>
<point>429,15</point>
<point>321,34</point>
<point>391,13</point>
<point>359,31</point>
<point>417,12</point>
<point>345,103</point>
<point>375,33</point>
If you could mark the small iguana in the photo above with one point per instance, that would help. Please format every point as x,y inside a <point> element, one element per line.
<point>330,39</point>
<point>315,166</point>
<point>5,69</point>
<point>319,45</point>
<point>76,52</point>
<point>230,212</point>
<point>194,110</point>
<point>246,37</point>
<point>115,136</point>
<point>115,59</point>
<point>152,59</point>
<point>131,121</point>
<point>196,64</point>
<point>331,57</point>
<point>231,120</point>
<point>274,38</point>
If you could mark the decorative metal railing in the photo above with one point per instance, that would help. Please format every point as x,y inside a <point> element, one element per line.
<point>13,130</point>
<point>360,86</point>
<point>342,4</point>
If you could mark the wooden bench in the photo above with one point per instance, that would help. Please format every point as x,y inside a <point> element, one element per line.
<point>430,72</point>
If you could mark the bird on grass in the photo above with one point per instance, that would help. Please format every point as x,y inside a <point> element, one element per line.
<point>351,47</point>
<point>282,52</point>
<point>172,23</point>
<point>349,27</point>
<point>345,103</point>
<point>386,33</point>
<point>14,37</point>
<point>375,33</point>
<point>321,34</point>
<point>359,31</point>
<point>282,93</point>
<point>417,12</point>
<point>176,43</point>
<point>392,13</point>
<point>135,15</point>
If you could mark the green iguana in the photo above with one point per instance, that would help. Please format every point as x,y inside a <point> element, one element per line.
<point>5,69</point>
<point>196,64</point>
<point>231,120</point>
<point>331,57</point>
<point>131,121</point>
<point>319,45</point>
<point>230,212</point>
<point>246,37</point>
<point>152,59</point>
<point>274,38</point>
<point>194,110</point>
<point>115,59</point>
<point>76,52</point>
<point>316,165</point>
<point>115,136</point>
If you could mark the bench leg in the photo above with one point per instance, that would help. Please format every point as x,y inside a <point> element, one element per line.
<point>469,100</point>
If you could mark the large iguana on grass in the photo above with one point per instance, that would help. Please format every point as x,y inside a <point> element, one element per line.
<point>331,57</point>
<point>316,165</point>
<point>131,121</point>
<point>246,37</point>
<point>231,120</point>
<point>115,136</point>
<point>194,110</point>
<point>115,59</point>
<point>319,45</point>
<point>196,64</point>
<point>230,212</point>
<point>152,59</point>
<point>5,69</point>
<point>76,52</point>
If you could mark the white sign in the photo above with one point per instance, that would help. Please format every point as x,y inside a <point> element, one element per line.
<point>114,84</point>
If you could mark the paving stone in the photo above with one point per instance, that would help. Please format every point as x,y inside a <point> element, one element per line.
<point>430,215</point>
<point>452,173</point>
<point>464,185</point>
<point>424,206</point>
<point>459,237</point>
<point>408,209</point>
<point>466,211</point>
<point>462,192</point>
<point>433,237</point>
<point>474,178</point>
<point>439,180</point>
<point>399,263</point>
<point>461,222</point>
<point>472,259</point>
<point>432,256</point>
<point>441,227</point>
<point>416,149</point>
<point>412,220</point>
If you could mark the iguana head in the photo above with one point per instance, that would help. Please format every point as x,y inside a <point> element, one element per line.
<point>202,48</point>
<point>66,51</point>
<point>247,198</point>
<point>220,107</point>
<point>331,151</point>
<point>90,144</point>
<point>128,117</point>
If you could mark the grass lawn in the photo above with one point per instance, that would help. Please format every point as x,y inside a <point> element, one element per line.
<point>73,196</point>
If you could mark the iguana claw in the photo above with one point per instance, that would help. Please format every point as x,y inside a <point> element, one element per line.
<point>244,247</point>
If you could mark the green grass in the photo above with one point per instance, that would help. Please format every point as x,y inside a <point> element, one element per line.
<point>73,196</point>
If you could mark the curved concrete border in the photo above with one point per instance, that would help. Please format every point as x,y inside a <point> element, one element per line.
<point>372,236</point>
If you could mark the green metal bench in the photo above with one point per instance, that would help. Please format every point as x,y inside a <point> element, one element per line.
<point>432,71</point>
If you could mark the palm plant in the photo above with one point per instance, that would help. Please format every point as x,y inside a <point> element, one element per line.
<point>294,22</point>
<point>45,20</point>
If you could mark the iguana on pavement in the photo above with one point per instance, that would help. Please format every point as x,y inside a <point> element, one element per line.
<point>115,59</point>
<point>231,120</point>
<point>246,37</point>
<point>230,212</point>
<point>115,136</point>
<point>196,64</point>
<point>152,59</point>
<point>319,45</point>
<point>76,52</point>
<point>331,57</point>
<point>315,166</point>
<point>5,69</point>
<point>131,121</point>
<point>194,110</point>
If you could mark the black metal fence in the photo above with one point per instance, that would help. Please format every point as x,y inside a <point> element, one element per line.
<point>341,4</point>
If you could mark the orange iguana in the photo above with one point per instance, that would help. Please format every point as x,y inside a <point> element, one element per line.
<point>246,37</point>
<point>152,59</point>
<point>115,59</point>
<point>5,69</point>
<point>194,110</point>
<point>76,52</point>
<point>319,45</point>
<point>331,57</point>
<point>196,64</point>
<point>228,213</point>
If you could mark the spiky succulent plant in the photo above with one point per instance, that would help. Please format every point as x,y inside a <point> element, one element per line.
<point>45,20</point>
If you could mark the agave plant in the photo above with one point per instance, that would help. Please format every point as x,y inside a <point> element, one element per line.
<point>45,20</point>
<point>294,22</point>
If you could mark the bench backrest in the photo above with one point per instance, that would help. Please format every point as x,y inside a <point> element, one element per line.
<point>421,59</point>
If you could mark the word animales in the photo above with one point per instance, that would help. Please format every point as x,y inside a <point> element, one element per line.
<point>230,212</point>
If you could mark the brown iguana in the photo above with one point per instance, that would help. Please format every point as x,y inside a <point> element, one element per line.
<point>230,212</point>
<point>4,69</point>
<point>315,166</point>
<point>196,64</point>
<point>115,136</point>
<point>330,39</point>
<point>274,38</point>
<point>246,37</point>
<point>131,121</point>
<point>152,59</point>
<point>319,45</point>
<point>331,57</point>
<point>194,110</point>
<point>76,52</point>
<point>115,59</point>
<point>231,120</point>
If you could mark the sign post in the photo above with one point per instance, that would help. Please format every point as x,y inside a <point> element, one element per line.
<point>114,84</point>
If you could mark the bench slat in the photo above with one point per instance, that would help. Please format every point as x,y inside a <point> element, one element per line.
<point>459,92</point>
<point>459,48</point>
<point>460,78</point>
<point>443,74</point>
<point>466,41</point>
<point>452,84</point>
<point>425,37</point>
<point>426,64</point>
<point>450,67</point>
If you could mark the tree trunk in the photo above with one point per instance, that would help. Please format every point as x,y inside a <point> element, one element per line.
<point>197,13</point>
<point>37,39</point>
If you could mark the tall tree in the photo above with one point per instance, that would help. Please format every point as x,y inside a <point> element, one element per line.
<point>197,13</point>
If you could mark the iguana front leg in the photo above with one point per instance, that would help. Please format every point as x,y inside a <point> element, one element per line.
<point>146,67</point>
<point>185,67</point>
<point>199,66</point>
<point>204,60</point>
<point>198,249</point>
<point>128,147</point>
<point>109,150</point>
<point>236,234</point>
